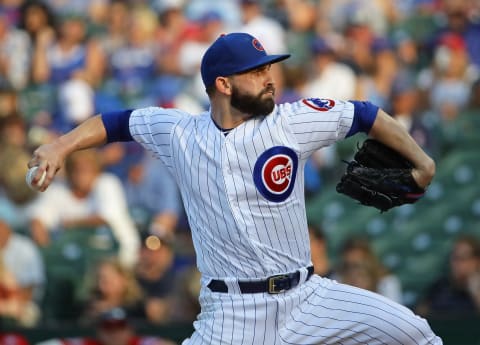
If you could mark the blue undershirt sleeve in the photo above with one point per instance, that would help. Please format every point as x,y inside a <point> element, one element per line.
<point>364,116</point>
<point>117,125</point>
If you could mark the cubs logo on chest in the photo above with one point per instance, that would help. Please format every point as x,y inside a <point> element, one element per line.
<point>274,173</point>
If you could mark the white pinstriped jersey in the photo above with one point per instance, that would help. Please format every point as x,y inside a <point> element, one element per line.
<point>244,192</point>
<point>244,197</point>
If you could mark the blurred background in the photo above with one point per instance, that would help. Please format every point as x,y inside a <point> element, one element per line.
<point>107,248</point>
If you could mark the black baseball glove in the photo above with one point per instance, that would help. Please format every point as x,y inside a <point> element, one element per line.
<point>379,177</point>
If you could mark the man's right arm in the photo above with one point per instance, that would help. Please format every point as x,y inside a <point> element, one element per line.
<point>50,157</point>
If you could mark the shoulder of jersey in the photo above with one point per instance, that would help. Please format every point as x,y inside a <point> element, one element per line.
<point>157,111</point>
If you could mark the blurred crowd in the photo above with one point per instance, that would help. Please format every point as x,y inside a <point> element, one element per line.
<point>63,61</point>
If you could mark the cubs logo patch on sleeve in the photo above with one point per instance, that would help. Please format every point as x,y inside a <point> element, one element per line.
<point>275,172</point>
<point>320,104</point>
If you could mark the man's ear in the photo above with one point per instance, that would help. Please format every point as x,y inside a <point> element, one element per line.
<point>223,85</point>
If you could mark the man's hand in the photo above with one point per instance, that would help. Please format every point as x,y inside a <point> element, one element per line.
<point>423,176</point>
<point>380,177</point>
<point>48,158</point>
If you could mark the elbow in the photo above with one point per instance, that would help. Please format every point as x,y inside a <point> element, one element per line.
<point>431,167</point>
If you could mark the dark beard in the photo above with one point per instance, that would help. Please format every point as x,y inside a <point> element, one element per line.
<point>253,105</point>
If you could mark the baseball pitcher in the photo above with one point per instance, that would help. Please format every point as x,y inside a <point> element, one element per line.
<point>239,167</point>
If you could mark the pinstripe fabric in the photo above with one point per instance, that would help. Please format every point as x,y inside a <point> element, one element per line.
<point>246,210</point>
<point>320,311</point>
<point>237,232</point>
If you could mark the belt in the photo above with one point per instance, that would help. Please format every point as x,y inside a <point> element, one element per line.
<point>273,285</point>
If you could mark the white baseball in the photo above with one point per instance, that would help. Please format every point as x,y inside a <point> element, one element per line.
<point>31,174</point>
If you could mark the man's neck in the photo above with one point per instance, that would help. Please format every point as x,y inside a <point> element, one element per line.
<point>226,117</point>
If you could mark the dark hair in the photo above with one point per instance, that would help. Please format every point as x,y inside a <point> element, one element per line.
<point>356,243</point>
<point>210,90</point>
<point>51,19</point>
<point>13,119</point>
<point>317,231</point>
<point>472,241</point>
<point>370,260</point>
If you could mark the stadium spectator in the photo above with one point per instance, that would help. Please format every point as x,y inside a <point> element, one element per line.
<point>298,17</point>
<point>175,28</point>
<point>376,14</point>
<point>65,54</point>
<point>133,65</point>
<point>327,71</point>
<point>113,327</point>
<point>207,28</point>
<point>155,275</point>
<point>186,306</point>
<point>16,199</point>
<point>70,65</point>
<point>474,104</point>
<point>13,339</point>
<point>8,101</point>
<point>88,198</point>
<point>459,18</point>
<point>14,55</point>
<point>318,245</point>
<point>359,266</point>
<point>36,17</point>
<point>22,278</point>
<point>15,196</point>
<point>376,82</point>
<point>449,79</point>
<point>457,293</point>
<point>357,49</point>
<point>111,285</point>
<point>157,199</point>
<point>404,107</point>
<point>406,51</point>
<point>117,24</point>
<point>13,131</point>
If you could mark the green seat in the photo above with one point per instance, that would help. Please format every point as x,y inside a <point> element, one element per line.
<point>67,261</point>
<point>460,168</point>
<point>419,271</point>
<point>462,134</point>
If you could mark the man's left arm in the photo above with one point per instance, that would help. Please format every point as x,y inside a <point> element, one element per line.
<point>388,131</point>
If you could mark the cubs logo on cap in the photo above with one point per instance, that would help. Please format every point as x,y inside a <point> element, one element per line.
<point>275,172</point>
<point>320,104</point>
<point>256,43</point>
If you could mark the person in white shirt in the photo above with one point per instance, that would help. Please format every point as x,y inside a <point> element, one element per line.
<point>330,78</point>
<point>22,277</point>
<point>87,198</point>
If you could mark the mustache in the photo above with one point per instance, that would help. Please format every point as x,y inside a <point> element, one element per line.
<point>269,88</point>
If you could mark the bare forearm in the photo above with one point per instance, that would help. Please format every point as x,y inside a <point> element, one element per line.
<point>388,131</point>
<point>90,133</point>
<point>50,157</point>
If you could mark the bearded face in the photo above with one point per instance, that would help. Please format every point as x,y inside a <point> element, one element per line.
<point>254,105</point>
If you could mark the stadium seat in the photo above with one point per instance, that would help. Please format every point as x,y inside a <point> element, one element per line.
<point>67,260</point>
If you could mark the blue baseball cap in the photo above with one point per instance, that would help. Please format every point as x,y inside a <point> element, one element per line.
<point>234,53</point>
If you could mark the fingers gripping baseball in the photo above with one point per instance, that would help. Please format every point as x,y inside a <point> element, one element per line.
<point>48,160</point>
